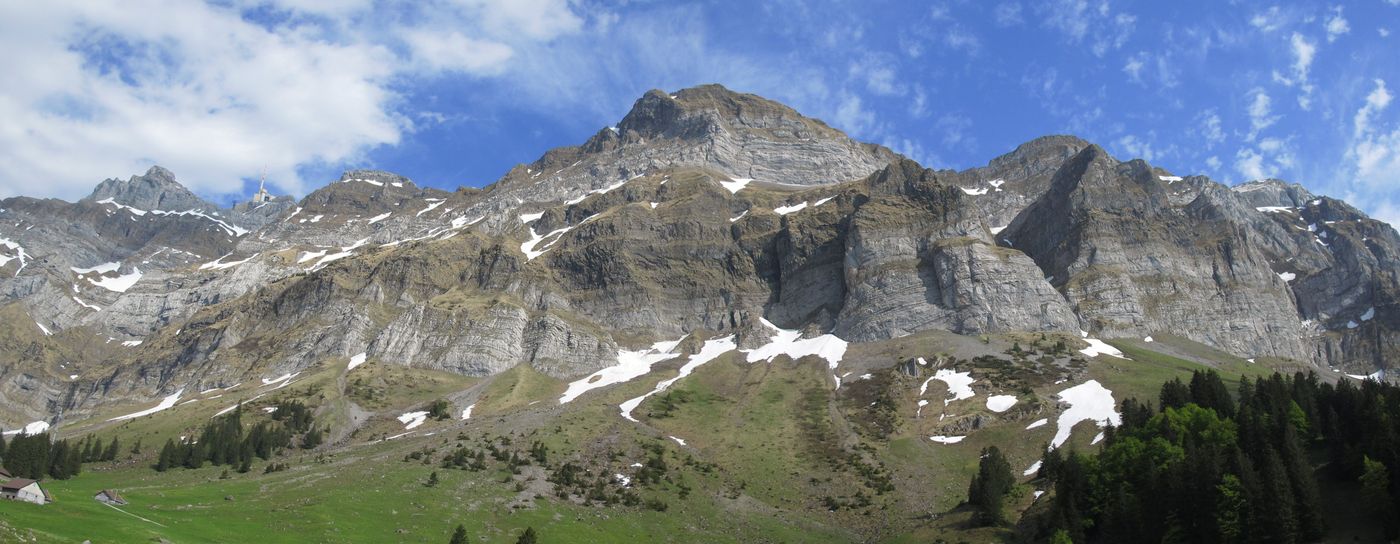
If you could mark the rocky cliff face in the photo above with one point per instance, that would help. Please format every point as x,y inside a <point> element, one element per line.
<point>655,230</point>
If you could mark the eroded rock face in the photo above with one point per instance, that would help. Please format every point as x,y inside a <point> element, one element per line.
<point>641,235</point>
<point>736,135</point>
<point>1131,263</point>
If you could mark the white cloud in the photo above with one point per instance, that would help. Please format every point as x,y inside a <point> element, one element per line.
<point>1250,164</point>
<point>853,116</point>
<point>957,37</point>
<point>1213,162</point>
<point>1383,31</point>
<point>954,127</point>
<point>1007,14</point>
<point>1373,158</point>
<point>1260,112</point>
<point>1376,101</point>
<point>1269,158</point>
<point>1137,149</point>
<point>1269,20</point>
<point>1304,52</point>
<point>1336,25</point>
<point>877,72</point>
<point>1210,127</point>
<point>1074,19</point>
<point>918,107</point>
<point>1134,67</point>
<point>216,94</point>
<point>200,90</point>
<point>451,51</point>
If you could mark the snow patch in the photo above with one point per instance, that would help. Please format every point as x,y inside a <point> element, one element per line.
<point>1037,423</point>
<point>738,217</point>
<point>1099,347</point>
<point>1169,179</point>
<point>467,412</point>
<point>355,361</point>
<point>630,365</point>
<point>100,269</point>
<point>1000,403</point>
<point>678,440</point>
<point>791,343</point>
<point>1034,468</point>
<point>736,184</point>
<point>19,254</point>
<point>379,218</point>
<point>1148,339</point>
<point>118,284</point>
<point>947,439</point>
<point>974,192</point>
<point>959,384</point>
<point>1370,313</point>
<point>413,419</point>
<point>166,402</point>
<point>784,210</point>
<point>710,351</point>
<point>1087,401</point>
<point>432,206</point>
<point>528,248</point>
<point>219,264</point>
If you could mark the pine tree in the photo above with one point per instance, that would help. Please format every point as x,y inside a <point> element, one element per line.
<point>1375,492</point>
<point>312,439</point>
<point>459,536</point>
<point>989,487</point>
<point>1174,394</point>
<point>1230,509</point>
<point>2,446</point>
<point>527,537</point>
<point>167,456</point>
<point>112,449</point>
<point>432,480</point>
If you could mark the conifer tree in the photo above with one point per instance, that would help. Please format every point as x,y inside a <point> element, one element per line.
<point>459,536</point>
<point>1375,493</point>
<point>112,449</point>
<point>989,487</point>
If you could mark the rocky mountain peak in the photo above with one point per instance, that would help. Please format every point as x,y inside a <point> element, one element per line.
<point>157,189</point>
<point>1273,192</point>
<point>377,177</point>
<point>1045,152</point>
<point>699,111</point>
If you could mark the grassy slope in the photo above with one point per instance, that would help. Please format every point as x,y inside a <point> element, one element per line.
<point>767,429</point>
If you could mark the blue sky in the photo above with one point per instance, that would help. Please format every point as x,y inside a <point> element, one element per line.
<point>455,92</point>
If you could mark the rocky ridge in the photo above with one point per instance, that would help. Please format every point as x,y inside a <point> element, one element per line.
<point>653,230</point>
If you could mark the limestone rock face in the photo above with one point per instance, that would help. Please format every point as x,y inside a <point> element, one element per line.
<point>155,190</point>
<point>653,231</point>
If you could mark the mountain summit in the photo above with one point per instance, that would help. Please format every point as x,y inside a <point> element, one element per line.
<point>825,285</point>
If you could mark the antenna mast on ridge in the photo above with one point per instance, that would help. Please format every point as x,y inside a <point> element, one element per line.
<point>262,194</point>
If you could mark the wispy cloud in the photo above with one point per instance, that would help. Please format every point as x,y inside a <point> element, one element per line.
<point>1303,52</point>
<point>1075,18</point>
<point>1260,113</point>
<point>1336,25</point>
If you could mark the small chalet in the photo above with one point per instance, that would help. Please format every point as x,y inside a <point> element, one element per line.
<point>108,496</point>
<point>24,489</point>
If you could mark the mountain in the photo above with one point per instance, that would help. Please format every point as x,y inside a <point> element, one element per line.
<point>706,221</point>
